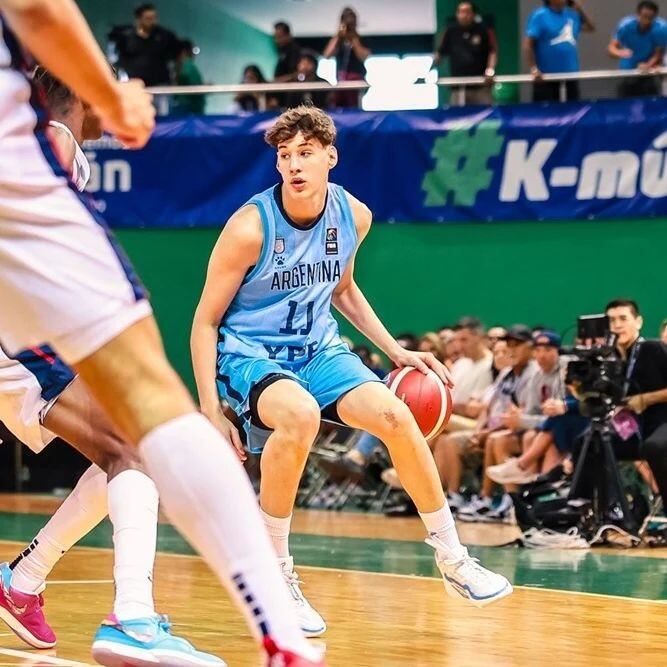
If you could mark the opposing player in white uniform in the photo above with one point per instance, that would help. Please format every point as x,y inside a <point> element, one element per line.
<point>40,397</point>
<point>64,283</point>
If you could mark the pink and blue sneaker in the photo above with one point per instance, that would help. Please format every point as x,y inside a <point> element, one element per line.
<point>142,642</point>
<point>22,612</point>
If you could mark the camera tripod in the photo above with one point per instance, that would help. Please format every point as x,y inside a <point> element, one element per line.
<point>597,477</point>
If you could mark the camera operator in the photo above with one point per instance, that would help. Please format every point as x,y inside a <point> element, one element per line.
<point>641,427</point>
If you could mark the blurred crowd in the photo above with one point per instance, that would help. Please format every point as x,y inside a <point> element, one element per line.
<point>467,44</point>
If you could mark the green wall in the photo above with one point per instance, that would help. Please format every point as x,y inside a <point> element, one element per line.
<point>419,276</point>
<point>227,44</point>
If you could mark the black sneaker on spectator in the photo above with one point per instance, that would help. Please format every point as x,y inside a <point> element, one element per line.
<point>403,507</point>
<point>502,511</point>
<point>474,511</point>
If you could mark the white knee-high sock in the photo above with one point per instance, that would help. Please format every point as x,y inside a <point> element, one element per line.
<point>208,497</point>
<point>441,524</point>
<point>133,508</point>
<point>80,512</point>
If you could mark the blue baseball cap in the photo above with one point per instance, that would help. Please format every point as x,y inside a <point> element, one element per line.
<point>546,338</point>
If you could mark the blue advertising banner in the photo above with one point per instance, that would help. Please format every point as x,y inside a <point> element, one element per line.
<point>559,161</point>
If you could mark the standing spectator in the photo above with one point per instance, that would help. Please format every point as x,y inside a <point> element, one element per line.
<point>145,49</point>
<point>289,53</point>
<point>551,46</point>
<point>350,55</point>
<point>472,50</point>
<point>250,101</point>
<point>187,74</point>
<point>306,71</point>
<point>639,42</point>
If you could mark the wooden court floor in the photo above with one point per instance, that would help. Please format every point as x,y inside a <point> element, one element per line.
<point>375,583</point>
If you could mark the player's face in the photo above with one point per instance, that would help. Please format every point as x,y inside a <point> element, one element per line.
<point>624,324</point>
<point>304,165</point>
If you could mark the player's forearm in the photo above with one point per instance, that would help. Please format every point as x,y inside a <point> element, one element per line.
<point>56,33</point>
<point>353,305</point>
<point>203,348</point>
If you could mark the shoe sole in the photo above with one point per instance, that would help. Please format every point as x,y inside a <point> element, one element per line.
<point>452,592</point>
<point>113,654</point>
<point>314,633</point>
<point>21,631</point>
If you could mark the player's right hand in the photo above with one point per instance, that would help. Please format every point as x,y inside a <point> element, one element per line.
<point>131,116</point>
<point>228,431</point>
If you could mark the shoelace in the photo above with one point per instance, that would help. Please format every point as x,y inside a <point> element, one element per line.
<point>164,623</point>
<point>465,565</point>
<point>293,582</point>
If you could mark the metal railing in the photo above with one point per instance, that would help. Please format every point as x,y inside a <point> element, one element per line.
<point>458,83</point>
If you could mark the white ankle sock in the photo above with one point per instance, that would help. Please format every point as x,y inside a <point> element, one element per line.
<point>208,497</point>
<point>441,524</point>
<point>79,513</point>
<point>278,530</point>
<point>133,506</point>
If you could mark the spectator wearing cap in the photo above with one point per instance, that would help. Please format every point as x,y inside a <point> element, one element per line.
<point>551,46</point>
<point>306,72</point>
<point>472,50</point>
<point>639,43</point>
<point>511,396</point>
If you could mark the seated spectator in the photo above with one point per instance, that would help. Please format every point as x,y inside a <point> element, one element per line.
<point>187,74</point>
<point>639,43</point>
<point>511,396</point>
<point>146,48</point>
<point>462,449</point>
<point>551,46</point>
<point>471,373</point>
<point>289,53</point>
<point>306,71</point>
<point>350,55</point>
<point>430,342</point>
<point>251,102</point>
<point>472,50</point>
<point>494,334</point>
<point>370,360</point>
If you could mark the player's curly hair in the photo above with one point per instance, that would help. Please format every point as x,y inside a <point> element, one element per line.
<point>312,122</point>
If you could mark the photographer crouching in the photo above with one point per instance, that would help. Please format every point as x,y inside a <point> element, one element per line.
<point>640,428</point>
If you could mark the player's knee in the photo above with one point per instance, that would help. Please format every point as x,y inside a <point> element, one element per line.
<point>396,421</point>
<point>116,455</point>
<point>300,422</point>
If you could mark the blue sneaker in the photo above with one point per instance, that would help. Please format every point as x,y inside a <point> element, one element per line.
<point>142,642</point>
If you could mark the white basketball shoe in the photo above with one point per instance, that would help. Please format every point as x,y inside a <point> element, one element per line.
<point>312,624</point>
<point>465,578</point>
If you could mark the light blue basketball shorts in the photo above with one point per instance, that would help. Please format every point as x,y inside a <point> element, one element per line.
<point>331,373</point>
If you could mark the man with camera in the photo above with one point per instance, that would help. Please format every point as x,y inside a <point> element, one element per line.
<point>640,427</point>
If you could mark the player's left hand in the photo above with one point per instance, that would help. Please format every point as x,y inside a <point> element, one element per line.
<point>423,361</point>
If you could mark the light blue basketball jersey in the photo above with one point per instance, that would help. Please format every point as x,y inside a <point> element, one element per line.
<point>282,311</point>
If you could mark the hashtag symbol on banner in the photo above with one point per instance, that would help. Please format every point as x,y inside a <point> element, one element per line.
<point>461,164</point>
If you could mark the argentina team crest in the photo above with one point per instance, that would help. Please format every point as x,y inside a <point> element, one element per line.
<point>331,245</point>
<point>278,250</point>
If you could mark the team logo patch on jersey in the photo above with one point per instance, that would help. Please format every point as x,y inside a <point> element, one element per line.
<point>279,247</point>
<point>331,245</point>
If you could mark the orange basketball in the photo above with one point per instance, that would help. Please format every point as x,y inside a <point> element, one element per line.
<point>429,400</point>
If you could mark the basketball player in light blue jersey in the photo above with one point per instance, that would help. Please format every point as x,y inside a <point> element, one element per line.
<point>264,339</point>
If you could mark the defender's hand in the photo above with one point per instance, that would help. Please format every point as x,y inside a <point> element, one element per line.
<point>423,361</point>
<point>227,429</point>
<point>131,116</point>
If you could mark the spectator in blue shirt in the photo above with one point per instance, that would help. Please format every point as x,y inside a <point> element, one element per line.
<point>551,46</point>
<point>639,43</point>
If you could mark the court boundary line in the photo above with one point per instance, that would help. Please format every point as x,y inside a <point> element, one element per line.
<point>41,658</point>
<point>392,574</point>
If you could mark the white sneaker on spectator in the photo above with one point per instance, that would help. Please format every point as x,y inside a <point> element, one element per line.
<point>455,501</point>
<point>502,511</point>
<point>509,472</point>
<point>390,476</point>
<point>465,578</point>
<point>475,510</point>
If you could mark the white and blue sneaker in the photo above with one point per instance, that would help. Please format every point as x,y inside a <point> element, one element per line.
<point>146,642</point>
<point>465,578</point>
<point>312,624</point>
